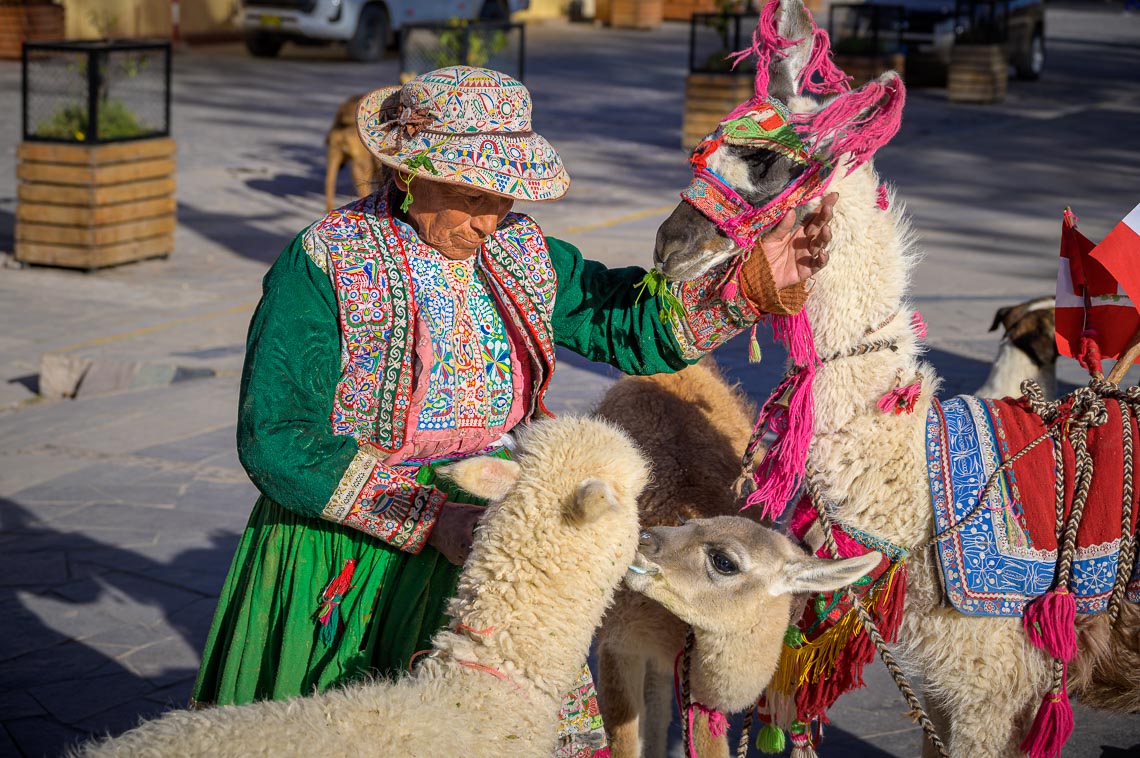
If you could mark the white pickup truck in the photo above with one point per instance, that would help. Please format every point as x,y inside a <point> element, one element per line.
<point>365,26</point>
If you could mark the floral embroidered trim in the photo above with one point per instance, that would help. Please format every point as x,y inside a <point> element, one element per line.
<point>348,490</point>
<point>387,505</point>
<point>371,275</point>
<point>517,260</point>
<point>708,319</point>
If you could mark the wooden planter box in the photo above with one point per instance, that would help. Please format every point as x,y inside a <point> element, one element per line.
<point>88,207</point>
<point>708,99</point>
<point>683,10</point>
<point>864,68</point>
<point>634,14</point>
<point>978,74</point>
<point>28,23</point>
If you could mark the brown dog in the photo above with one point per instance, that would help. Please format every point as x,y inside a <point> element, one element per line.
<point>345,147</point>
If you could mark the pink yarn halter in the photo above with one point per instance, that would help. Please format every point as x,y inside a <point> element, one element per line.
<point>847,131</point>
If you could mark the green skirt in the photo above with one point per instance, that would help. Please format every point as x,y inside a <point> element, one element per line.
<point>266,642</point>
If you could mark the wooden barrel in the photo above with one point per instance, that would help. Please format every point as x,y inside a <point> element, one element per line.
<point>708,99</point>
<point>864,68</point>
<point>978,74</point>
<point>635,14</point>
<point>28,23</point>
<point>84,206</point>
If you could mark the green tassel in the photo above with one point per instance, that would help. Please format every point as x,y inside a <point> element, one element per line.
<point>771,740</point>
<point>753,347</point>
<point>330,627</point>
<point>794,638</point>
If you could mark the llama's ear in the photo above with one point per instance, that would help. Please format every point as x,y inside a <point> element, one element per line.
<point>857,123</point>
<point>593,498</point>
<point>810,574</point>
<point>786,72</point>
<point>486,477</point>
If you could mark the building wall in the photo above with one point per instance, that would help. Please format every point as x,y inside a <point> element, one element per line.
<point>87,19</point>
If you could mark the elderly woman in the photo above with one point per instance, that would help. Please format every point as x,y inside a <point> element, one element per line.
<point>410,328</point>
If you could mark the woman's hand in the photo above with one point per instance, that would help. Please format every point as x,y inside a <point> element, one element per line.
<point>797,253</point>
<point>454,530</point>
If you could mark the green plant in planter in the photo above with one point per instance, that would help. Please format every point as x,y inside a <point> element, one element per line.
<point>480,47</point>
<point>71,122</point>
<point>721,23</point>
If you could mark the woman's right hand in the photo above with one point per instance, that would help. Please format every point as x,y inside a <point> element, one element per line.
<point>454,530</point>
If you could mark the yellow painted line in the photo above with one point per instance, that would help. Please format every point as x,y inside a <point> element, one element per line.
<point>156,328</point>
<point>619,220</point>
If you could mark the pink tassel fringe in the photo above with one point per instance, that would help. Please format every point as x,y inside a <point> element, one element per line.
<point>883,200</point>
<point>901,399</point>
<point>918,323</point>
<point>1051,727</point>
<point>855,122</point>
<point>831,77</point>
<point>1050,623</point>
<point>781,472</point>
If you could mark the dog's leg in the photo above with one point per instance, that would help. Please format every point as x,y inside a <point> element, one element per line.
<point>333,163</point>
<point>362,172</point>
<point>621,698</point>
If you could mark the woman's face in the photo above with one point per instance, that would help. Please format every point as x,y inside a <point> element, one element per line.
<point>454,219</point>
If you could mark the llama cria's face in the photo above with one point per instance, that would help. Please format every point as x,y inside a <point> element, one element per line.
<point>711,573</point>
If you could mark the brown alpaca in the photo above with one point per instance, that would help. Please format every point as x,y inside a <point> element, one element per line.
<point>344,146</point>
<point>693,428</point>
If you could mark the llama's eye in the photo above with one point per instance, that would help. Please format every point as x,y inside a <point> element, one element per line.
<point>723,564</point>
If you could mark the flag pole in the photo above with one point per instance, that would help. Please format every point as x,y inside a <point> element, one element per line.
<point>1127,358</point>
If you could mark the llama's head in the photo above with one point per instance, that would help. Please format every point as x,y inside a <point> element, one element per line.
<point>777,151</point>
<point>556,540</point>
<point>733,579</point>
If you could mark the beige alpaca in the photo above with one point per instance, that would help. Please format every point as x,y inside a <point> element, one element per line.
<point>733,581</point>
<point>983,679</point>
<point>557,539</point>
<point>692,426</point>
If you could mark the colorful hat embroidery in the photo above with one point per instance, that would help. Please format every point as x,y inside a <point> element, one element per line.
<point>468,126</point>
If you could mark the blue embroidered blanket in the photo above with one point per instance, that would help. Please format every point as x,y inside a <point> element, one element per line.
<point>1007,555</point>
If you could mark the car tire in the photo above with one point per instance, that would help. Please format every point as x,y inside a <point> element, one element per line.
<point>370,39</point>
<point>1032,64</point>
<point>495,10</point>
<point>261,45</point>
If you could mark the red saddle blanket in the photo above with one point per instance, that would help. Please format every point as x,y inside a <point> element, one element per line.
<point>1006,556</point>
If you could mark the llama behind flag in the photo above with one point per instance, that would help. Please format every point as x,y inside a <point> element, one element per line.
<point>1093,286</point>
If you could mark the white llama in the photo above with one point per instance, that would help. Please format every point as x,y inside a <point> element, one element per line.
<point>983,679</point>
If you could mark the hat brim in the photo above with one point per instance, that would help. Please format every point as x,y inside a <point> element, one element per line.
<point>519,165</point>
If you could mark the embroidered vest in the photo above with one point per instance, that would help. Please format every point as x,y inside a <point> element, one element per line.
<point>361,250</point>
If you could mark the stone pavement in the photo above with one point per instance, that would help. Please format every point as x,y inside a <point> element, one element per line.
<point>119,513</point>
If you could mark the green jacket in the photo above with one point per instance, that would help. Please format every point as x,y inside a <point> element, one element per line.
<point>304,346</point>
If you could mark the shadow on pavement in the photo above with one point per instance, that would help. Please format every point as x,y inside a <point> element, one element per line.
<point>108,663</point>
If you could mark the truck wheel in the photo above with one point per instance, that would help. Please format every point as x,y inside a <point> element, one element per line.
<point>495,10</point>
<point>261,45</point>
<point>1032,64</point>
<point>370,40</point>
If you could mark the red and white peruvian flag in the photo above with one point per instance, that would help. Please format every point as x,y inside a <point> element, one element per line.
<point>1093,286</point>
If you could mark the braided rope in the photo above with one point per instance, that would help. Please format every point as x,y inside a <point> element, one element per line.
<point>917,712</point>
<point>686,695</point>
<point>745,733</point>
<point>1127,541</point>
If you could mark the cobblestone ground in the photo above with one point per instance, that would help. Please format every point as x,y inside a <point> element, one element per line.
<point>119,513</point>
